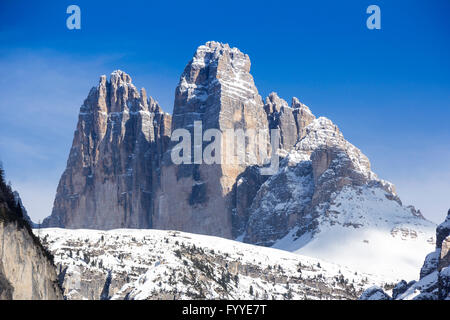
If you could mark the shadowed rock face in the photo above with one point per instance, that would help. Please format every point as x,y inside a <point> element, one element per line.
<point>113,164</point>
<point>290,120</point>
<point>26,273</point>
<point>321,163</point>
<point>161,264</point>
<point>217,89</point>
<point>321,174</point>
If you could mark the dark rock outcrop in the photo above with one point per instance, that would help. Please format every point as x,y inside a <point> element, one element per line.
<point>375,293</point>
<point>121,172</point>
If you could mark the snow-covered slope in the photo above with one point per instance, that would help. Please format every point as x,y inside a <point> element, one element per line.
<point>434,282</point>
<point>155,264</point>
<point>365,230</point>
<point>325,202</point>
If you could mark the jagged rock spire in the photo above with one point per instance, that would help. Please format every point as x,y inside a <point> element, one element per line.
<point>217,89</point>
<point>112,167</point>
<point>290,120</point>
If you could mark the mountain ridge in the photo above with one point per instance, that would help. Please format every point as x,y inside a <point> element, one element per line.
<point>120,174</point>
<point>164,264</point>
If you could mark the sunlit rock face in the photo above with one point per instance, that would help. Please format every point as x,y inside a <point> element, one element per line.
<point>113,164</point>
<point>27,271</point>
<point>217,89</point>
<point>121,171</point>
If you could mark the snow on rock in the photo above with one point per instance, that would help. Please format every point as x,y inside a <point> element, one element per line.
<point>434,282</point>
<point>326,202</point>
<point>155,264</point>
<point>401,287</point>
<point>375,293</point>
<point>431,263</point>
<point>365,230</point>
<point>115,158</point>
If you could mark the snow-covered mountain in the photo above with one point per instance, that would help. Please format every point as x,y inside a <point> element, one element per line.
<point>434,282</point>
<point>155,264</point>
<point>324,201</point>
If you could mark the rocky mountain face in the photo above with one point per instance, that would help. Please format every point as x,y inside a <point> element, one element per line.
<point>324,195</point>
<point>434,282</point>
<point>158,264</point>
<point>112,170</point>
<point>26,268</point>
<point>217,89</point>
<point>121,172</point>
<point>290,120</point>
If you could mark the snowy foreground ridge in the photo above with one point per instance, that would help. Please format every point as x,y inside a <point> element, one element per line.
<point>155,264</point>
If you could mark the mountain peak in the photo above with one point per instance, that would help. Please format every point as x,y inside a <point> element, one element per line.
<point>119,75</point>
<point>217,46</point>
<point>118,127</point>
<point>220,57</point>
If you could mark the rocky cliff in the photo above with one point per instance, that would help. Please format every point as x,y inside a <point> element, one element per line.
<point>26,268</point>
<point>121,171</point>
<point>290,120</point>
<point>325,195</point>
<point>113,166</point>
<point>217,89</point>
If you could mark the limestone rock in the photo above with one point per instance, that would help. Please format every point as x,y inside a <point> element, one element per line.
<point>321,164</point>
<point>324,190</point>
<point>120,172</point>
<point>290,120</point>
<point>244,192</point>
<point>281,204</point>
<point>26,268</point>
<point>217,89</point>
<point>113,165</point>
<point>430,263</point>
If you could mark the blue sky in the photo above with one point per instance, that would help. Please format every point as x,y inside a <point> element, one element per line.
<point>388,90</point>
